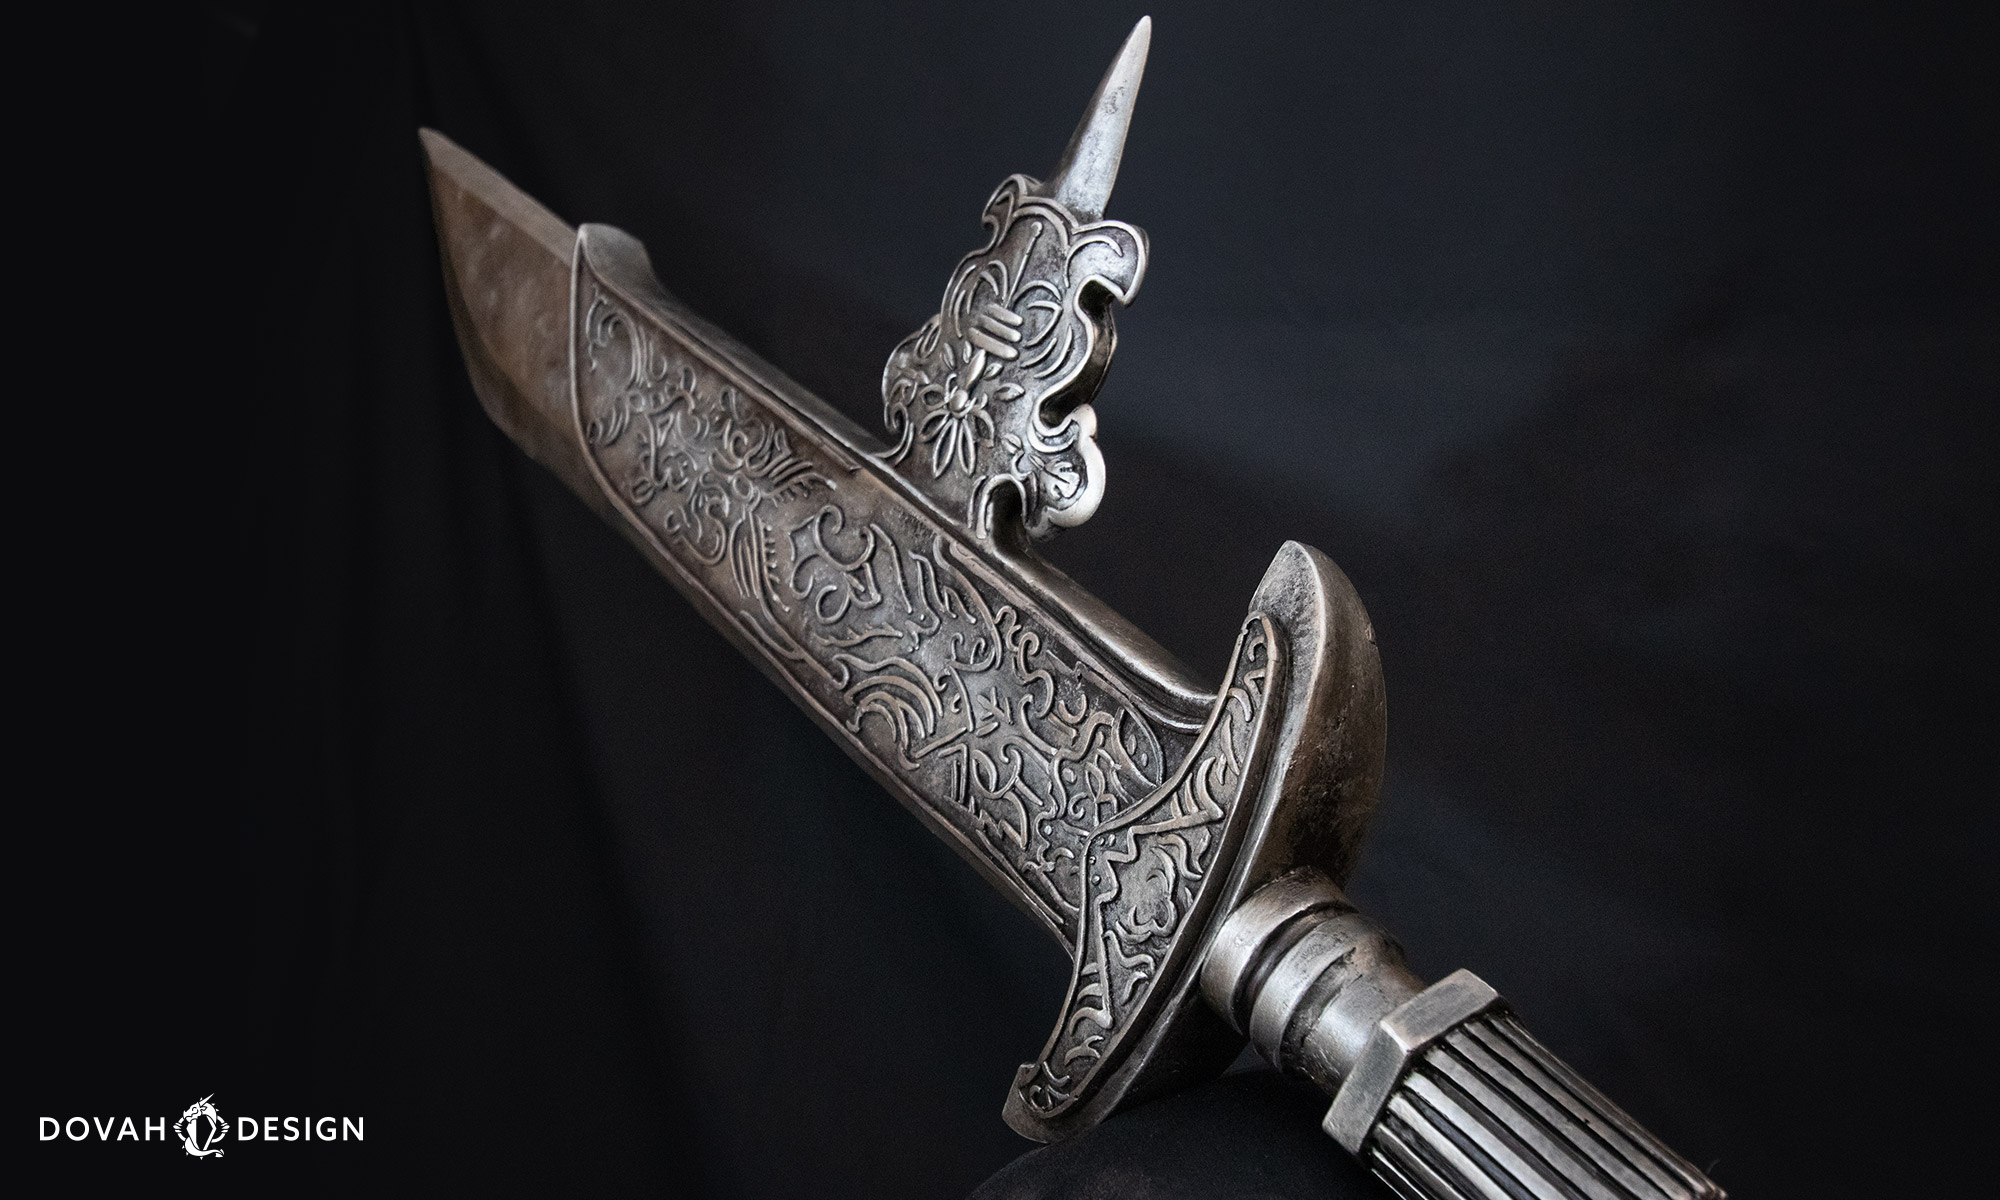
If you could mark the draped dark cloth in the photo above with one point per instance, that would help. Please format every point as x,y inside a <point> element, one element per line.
<point>1638,365</point>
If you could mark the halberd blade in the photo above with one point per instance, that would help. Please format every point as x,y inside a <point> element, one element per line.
<point>1187,847</point>
<point>1089,166</point>
<point>748,493</point>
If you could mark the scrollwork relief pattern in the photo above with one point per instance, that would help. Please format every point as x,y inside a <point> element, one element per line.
<point>957,687</point>
<point>1147,873</point>
<point>994,389</point>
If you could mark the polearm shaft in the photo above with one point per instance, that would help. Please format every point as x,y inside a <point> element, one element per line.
<point>1439,1089</point>
<point>1184,844</point>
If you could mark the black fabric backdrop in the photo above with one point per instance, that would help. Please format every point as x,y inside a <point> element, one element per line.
<point>1637,362</point>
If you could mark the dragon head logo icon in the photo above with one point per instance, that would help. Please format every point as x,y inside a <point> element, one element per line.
<point>201,1128</point>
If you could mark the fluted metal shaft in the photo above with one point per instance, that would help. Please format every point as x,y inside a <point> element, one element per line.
<point>1439,1089</point>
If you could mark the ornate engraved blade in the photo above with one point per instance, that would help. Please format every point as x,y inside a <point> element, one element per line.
<point>1014,734</point>
<point>891,590</point>
<point>1187,846</point>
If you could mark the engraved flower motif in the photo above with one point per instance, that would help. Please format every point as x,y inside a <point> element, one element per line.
<point>956,423</point>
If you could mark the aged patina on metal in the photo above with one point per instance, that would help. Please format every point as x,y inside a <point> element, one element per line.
<point>1185,844</point>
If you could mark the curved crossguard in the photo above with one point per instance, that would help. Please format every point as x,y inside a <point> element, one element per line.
<point>892,591</point>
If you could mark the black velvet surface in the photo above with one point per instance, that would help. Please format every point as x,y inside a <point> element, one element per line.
<point>1636,362</point>
<point>1252,1134</point>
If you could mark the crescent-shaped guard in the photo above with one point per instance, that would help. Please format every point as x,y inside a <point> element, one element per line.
<point>1285,774</point>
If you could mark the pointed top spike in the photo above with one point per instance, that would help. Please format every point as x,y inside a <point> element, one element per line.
<point>1083,179</point>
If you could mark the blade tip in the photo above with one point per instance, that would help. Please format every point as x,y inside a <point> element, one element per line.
<point>434,143</point>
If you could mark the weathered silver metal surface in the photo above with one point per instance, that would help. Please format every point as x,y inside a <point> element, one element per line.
<point>1488,1111</point>
<point>1437,1088</point>
<point>1013,735</point>
<point>1182,843</point>
<point>892,592</point>
<point>1134,902</point>
<point>1276,915</point>
<point>1397,1038</point>
<point>1083,178</point>
<point>1307,978</point>
<point>992,394</point>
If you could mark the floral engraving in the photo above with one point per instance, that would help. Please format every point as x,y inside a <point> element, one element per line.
<point>993,391</point>
<point>998,723</point>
